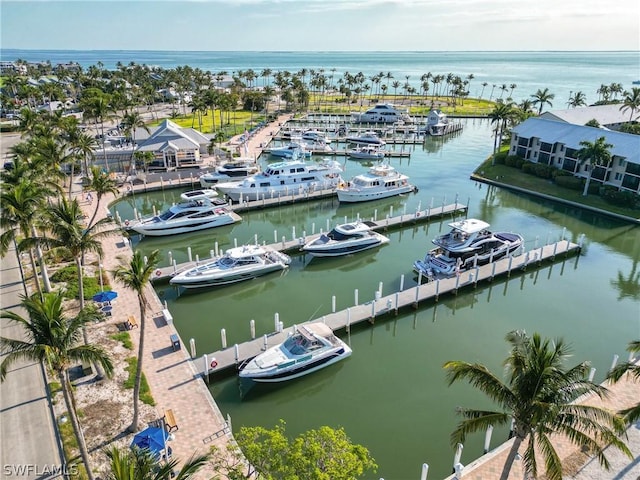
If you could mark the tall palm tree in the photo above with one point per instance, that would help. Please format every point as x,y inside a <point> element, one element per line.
<point>22,207</point>
<point>139,464</point>
<point>101,183</point>
<point>539,397</point>
<point>595,153</point>
<point>53,339</point>
<point>133,121</point>
<point>542,98</point>
<point>631,101</point>
<point>631,414</point>
<point>136,274</point>
<point>578,99</point>
<point>500,114</point>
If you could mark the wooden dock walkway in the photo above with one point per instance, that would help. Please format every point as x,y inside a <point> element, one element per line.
<point>293,245</point>
<point>230,358</point>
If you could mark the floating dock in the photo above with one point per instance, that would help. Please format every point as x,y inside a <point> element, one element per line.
<point>293,245</point>
<point>228,359</point>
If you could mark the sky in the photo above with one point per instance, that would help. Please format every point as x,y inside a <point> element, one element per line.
<point>321,25</point>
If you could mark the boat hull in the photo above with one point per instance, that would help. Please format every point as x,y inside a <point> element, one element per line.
<point>352,196</point>
<point>339,250</point>
<point>218,279</point>
<point>166,229</point>
<point>298,370</point>
<point>235,192</point>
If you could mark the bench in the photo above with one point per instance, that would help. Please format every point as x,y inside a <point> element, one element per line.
<point>170,421</point>
<point>131,322</point>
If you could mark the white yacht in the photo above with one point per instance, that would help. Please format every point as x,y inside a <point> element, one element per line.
<point>199,213</point>
<point>468,243</point>
<point>235,170</point>
<point>345,239</point>
<point>315,136</point>
<point>236,265</point>
<point>381,113</point>
<point>438,124</point>
<point>367,152</point>
<point>366,138</point>
<point>308,348</point>
<point>199,194</point>
<point>285,178</point>
<point>380,181</point>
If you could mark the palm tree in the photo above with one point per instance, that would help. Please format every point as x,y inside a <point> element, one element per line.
<point>53,339</point>
<point>578,99</point>
<point>139,464</point>
<point>631,414</point>
<point>596,154</point>
<point>19,216</point>
<point>631,102</point>
<point>539,398</point>
<point>136,274</point>
<point>501,113</point>
<point>101,183</point>
<point>542,98</point>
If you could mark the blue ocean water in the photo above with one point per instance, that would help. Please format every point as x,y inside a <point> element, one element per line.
<point>560,72</point>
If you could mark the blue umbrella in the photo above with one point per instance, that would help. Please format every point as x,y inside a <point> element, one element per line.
<point>106,296</point>
<point>152,439</point>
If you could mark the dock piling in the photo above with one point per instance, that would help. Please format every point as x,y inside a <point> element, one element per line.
<point>192,344</point>
<point>355,297</point>
<point>487,438</point>
<point>333,304</point>
<point>252,328</point>
<point>223,337</point>
<point>189,254</point>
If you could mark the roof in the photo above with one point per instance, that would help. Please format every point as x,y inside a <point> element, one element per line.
<point>604,114</point>
<point>625,145</point>
<point>169,134</point>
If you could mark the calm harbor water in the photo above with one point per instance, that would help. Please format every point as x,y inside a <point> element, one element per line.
<point>391,394</point>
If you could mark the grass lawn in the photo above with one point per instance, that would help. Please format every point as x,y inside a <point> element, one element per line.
<point>516,177</point>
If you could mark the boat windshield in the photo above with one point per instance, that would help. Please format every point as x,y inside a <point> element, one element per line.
<point>296,344</point>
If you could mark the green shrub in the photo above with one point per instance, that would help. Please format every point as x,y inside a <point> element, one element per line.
<point>513,161</point>
<point>124,338</point>
<point>145,393</point>
<point>574,183</point>
<point>69,275</point>
<point>621,198</point>
<point>500,158</point>
<point>543,171</point>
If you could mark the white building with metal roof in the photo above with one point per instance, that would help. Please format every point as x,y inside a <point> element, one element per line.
<point>557,143</point>
<point>608,116</point>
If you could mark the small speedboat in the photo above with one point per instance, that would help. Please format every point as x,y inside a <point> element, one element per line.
<point>367,152</point>
<point>292,150</point>
<point>345,239</point>
<point>309,348</point>
<point>236,265</point>
<point>198,213</point>
<point>366,138</point>
<point>468,243</point>
<point>231,171</point>
<point>381,181</point>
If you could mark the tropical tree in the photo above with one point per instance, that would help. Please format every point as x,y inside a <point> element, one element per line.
<point>631,102</point>
<point>101,183</point>
<point>631,414</point>
<point>542,98</point>
<point>135,274</point>
<point>140,464</point>
<point>596,153</point>
<point>539,398</point>
<point>500,114</point>
<point>133,121</point>
<point>22,205</point>
<point>325,453</point>
<point>54,339</point>
<point>578,99</point>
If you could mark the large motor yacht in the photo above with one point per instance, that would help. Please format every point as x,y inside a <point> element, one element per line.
<point>380,181</point>
<point>235,170</point>
<point>345,239</point>
<point>382,113</point>
<point>468,243</point>
<point>285,178</point>
<point>198,213</point>
<point>236,265</point>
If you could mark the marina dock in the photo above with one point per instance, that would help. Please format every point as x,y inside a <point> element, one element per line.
<point>229,358</point>
<point>295,242</point>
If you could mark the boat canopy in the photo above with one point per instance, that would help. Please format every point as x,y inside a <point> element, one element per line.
<point>470,225</point>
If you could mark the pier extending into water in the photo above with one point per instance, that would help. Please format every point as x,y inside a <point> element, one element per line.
<point>222,361</point>
<point>293,244</point>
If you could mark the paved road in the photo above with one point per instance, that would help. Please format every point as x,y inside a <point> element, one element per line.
<point>28,444</point>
